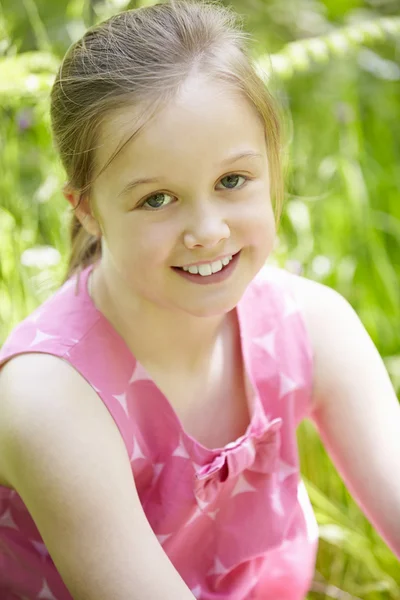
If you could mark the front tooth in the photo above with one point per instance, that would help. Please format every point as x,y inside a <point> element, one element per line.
<point>205,270</point>
<point>216,266</point>
<point>209,269</point>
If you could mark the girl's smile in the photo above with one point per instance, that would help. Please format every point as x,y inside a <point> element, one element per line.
<point>205,273</point>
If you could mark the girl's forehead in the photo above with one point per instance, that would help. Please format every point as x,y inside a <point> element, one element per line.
<point>207,120</point>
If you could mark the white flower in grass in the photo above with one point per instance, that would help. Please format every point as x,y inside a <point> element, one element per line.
<point>338,43</point>
<point>47,189</point>
<point>321,266</point>
<point>372,30</point>
<point>281,65</point>
<point>391,26</point>
<point>318,49</point>
<point>40,257</point>
<point>298,56</point>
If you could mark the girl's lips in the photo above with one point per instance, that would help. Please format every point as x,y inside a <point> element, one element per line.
<point>218,277</point>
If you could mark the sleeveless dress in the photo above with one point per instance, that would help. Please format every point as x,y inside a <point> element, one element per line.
<point>242,510</point>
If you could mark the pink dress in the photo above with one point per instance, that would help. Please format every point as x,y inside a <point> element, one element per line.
<point>242,509</point>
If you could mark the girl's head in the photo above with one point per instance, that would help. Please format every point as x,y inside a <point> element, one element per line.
<point>169,92</point>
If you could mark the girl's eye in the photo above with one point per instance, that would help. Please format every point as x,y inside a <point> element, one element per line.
<point>234,176</point>
<point>156,201</point>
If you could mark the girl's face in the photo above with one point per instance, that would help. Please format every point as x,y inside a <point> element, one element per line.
<point>203,203</point>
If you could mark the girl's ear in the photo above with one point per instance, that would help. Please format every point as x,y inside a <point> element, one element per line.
<point>82,211</point>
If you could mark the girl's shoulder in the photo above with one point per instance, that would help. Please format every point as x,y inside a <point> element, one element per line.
<point>328,318</point>
<point>315,300</point>
<point>37,390</point>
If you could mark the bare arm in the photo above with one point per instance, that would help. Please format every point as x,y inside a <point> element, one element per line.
<point>355,408</point>
<point>67,461</point>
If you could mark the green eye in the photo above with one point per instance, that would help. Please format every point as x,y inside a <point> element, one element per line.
<point>234,176</point>
<point>155,201</point>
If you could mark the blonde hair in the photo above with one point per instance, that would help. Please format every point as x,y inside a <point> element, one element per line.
<point>142,57</point>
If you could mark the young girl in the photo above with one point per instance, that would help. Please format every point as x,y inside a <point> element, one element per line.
<point>149,407</point>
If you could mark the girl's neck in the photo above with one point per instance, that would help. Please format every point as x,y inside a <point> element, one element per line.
<point>159,338</point>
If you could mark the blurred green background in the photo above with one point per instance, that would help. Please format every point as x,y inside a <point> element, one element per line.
<point>335,67</point>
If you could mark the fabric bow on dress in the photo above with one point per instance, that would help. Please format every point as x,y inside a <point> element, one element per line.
<point>255,452</point>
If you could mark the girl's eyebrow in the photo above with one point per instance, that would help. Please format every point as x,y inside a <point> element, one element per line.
<point>231,159</point>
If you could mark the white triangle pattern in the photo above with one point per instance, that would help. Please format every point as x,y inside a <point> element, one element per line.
<point>180,450</point>
<point>40,336</point>
<point>218,568</point>
<point>139,374</point>
<point>213,514</point>
<point>137,451</point>
<point>287,385</point>
<point>45,592</point>
<point>242,486</point>
<point>197,591</point>
<point>157,468</point>
<point>267,342</point>
<point>6,520</point>
<point>285,470</point>
<point>96,389</point>
<point>201,503</point>
<point>122,400</point>
<point>162,538</point>
<point>41,548</point>
<point>196,466</point>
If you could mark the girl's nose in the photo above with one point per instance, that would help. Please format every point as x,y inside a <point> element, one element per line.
<point>207,229</point>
